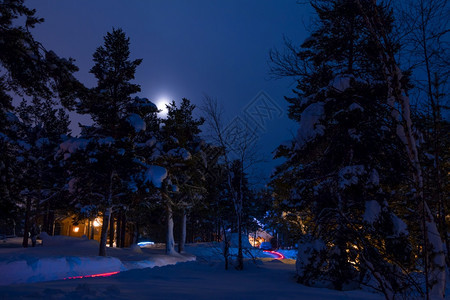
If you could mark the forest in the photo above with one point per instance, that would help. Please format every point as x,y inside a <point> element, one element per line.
<point>363,187</point>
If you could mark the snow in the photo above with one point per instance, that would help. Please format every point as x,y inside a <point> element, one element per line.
<point>12,118</point>
<point>107,141</point>
<point>354,135</point>
<point>349,175</point>
<point>61,257</point>
<point>400,227</point>
<point>306,252</point>
<point>121,151</point>
<point>355,106</point>
<point>341,82</point>
<point>180,152</point>
<point>372,211</point>
<point>136,122</point>
<point>24,145</point>
<point>42,142</point>
<point>72,145</point>
<point>151,142</point>
<point>309,127</point>
<point>155,175</point>
<point>144,102</point>
<point>151,274</point>
<point>374,178</point>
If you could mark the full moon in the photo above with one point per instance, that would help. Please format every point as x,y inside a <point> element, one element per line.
<point>161,104</point>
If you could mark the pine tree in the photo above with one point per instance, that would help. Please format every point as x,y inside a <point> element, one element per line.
<point>102,159</point>
<point>344,173</point>
<point>41,129</point>
<point>400,108</point>
<point>108,102</point>
<point>183,157</point>
<point>28,70</point>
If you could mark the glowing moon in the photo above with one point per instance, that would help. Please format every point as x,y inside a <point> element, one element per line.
<point>161,104</point>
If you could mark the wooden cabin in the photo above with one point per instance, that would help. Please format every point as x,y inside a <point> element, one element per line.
<point>68,226</point>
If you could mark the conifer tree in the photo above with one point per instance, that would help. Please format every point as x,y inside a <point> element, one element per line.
<point>28,70</point>
<point>400,111</point>
<point>344,174</point>
<point>183,148</point>
<point>102,159</point>
<point>42,127</point>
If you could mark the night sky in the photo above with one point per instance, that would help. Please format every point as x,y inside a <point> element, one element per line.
<point>189,48</point>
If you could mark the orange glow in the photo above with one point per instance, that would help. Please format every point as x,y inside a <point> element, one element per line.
<point>97,222</point>
<point>76,229</point>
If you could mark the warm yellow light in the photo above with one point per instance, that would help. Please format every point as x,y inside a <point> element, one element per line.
<point>76,229</point>
<point>97,223</point>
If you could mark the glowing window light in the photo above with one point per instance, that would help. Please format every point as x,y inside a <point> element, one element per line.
<point>97,222</point>
<point>76,229</point>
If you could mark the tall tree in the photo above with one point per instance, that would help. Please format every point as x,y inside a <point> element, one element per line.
<point>236,145</point>
<point>42,129</point>
<point>27,69</point>
<point>183,159</point>
<point>339,170</point>
<point>426,27</point>
<point>399,104</point>
<point>108,142</point>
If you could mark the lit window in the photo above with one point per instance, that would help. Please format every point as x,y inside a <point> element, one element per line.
<point>97,222</point>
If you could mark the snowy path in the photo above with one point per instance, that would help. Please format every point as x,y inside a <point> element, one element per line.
<point>150,274</point>
<point>192,280</point>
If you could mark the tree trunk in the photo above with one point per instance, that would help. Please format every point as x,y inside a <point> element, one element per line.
<point>226,246</point>
<point>46,225</point>
<point>106,216</point>
<point>118,228</point>
<point>136,233</point>
<point>26,227</point>
<point>170,242</point>
<point>123,230</point>
<point>240,265</point>
<point>111,231</point>
<point>92,229</point>
<point>182,240</point>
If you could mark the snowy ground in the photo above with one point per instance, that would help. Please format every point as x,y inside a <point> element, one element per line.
<point>149,274</point>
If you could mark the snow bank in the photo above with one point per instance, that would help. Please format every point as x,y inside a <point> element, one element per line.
<point>61,257</point>
<point>157,261</point>
<point>32,269</point>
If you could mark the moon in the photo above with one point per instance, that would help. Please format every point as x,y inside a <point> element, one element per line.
<point>161,104</point>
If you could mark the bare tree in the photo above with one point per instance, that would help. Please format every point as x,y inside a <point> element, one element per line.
<point>237,143</point>
<point>426,25</point>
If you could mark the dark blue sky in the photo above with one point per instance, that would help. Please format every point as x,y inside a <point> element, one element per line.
<point>189,48</point>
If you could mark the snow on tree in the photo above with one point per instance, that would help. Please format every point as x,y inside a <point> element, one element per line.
<point>400,107</point>
<point>183,158</point>
<point>41,130</point>
<point>28,70</point>
<point>101,162</point>
<point>344,174</point>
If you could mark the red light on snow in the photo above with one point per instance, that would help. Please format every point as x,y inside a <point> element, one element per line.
<point>277,254</point>
<point>93,275</point>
